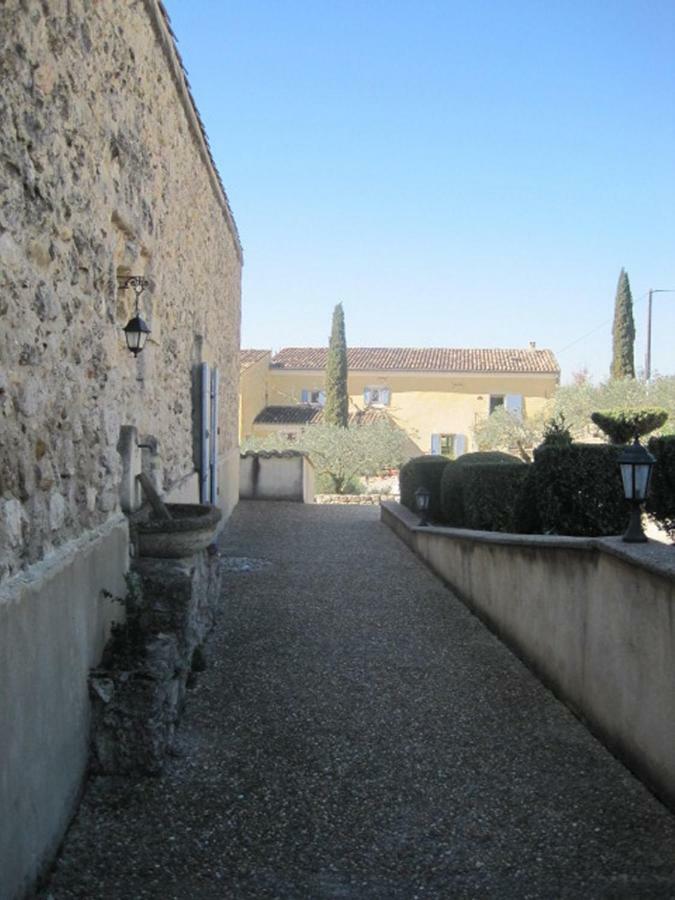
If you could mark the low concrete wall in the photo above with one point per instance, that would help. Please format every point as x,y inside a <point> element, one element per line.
<point>287,475</point>
<point>54,622</point>
<point>595,618</point>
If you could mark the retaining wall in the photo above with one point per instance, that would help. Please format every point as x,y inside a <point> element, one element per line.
<point>595,618</point>
<point>286,475</point>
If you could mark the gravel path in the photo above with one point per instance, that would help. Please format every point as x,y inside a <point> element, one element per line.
<point>359,734</point>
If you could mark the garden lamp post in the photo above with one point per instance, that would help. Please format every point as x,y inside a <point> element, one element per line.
<point>422,499</point>
<point>136,330</point>
<point>636,464</point>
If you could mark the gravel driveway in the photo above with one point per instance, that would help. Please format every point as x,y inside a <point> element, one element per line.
<point>359,734</point>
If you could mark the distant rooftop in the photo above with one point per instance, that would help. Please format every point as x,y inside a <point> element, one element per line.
<point>425,359</point>
<point>304,414</point>
<point>248,358</point>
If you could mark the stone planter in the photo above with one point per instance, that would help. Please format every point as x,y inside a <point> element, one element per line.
<point>190,531</point>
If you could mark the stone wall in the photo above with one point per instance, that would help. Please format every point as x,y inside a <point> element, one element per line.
<point>103,170</point>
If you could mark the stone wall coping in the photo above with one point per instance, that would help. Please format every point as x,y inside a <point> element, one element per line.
<point>161,24</point>
<point>654,557</point>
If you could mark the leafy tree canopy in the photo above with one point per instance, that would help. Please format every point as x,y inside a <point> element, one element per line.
<point>342,454</point>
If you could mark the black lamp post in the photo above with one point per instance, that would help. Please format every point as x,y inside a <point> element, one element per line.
<point>422,500</point>
<point>636,464</point>
<point>136,330</point>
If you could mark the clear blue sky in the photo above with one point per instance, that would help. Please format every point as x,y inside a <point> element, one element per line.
<point>462,174</point>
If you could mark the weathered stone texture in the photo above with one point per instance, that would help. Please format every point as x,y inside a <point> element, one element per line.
<point>102,171</point>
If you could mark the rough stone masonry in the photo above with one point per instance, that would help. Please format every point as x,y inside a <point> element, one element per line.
<point>104,170</point>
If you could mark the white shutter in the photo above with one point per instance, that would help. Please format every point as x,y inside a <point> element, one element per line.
<point>305,396</point>
<point>385,396</point>
<point>514,405</point>
<point>322,398</point>
<point>459,445</point>
<point>436,444</point>
<point>366,396</point>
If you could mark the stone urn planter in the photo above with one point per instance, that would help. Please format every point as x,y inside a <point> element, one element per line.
<point>190,530</point>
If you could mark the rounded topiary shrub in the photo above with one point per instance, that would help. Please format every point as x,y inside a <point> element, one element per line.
<point>578,490</point>
<point>661,500</point>
<point>454,505</point>
<point>423,471</point>
<point>624,425</point>
<point>490,494</point>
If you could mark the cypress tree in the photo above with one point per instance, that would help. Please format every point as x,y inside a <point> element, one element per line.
<point>623,331</point>
<point>336,410</point>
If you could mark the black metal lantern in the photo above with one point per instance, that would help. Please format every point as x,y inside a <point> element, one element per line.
<point>422,500</point>
<point>636,464</point>
<point>136,331</point>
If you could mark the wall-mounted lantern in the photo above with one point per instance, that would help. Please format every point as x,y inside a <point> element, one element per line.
<point>636,464</point>
<point>422,500</point>
<point>136,330</point>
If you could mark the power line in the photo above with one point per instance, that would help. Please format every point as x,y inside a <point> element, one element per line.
<point>597,328</point>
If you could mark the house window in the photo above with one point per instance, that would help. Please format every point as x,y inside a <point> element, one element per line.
<point>315,397</point>
<point>513,403</point>
<point>496,400</point>
<point>376,396</point>
<point>450,445</point>
<point>447,445</point>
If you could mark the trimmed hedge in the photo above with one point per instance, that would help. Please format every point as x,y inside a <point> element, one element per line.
<point>484,506</point>
<point>490,495</point>
<point>423,471</point>
<point>526,511</point>
<point>578,490</point>
<point>661,500</point>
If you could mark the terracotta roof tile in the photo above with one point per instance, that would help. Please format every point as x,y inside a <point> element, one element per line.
<point>425,359</point>
<point>247,358</point>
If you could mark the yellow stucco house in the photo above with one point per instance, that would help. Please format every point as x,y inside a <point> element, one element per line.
<point>436,395</point>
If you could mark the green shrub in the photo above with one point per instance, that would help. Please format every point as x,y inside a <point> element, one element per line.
<point>624,425</point>
<point>488,457</point>
<point>556,432</point>
<point>423,471</point>
<point>661,500</point>
<point>579,491</point>
<point>526,511</point>
<point>490,494</point>
<point>454,504</point>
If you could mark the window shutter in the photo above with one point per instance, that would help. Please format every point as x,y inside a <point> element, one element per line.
<point>459,445</point>
<point>514,405</point>
<point>305,396</point>
<point>385,396</point>
<point>366,396</point>
<point>436,444</point>
<point>322,398</point>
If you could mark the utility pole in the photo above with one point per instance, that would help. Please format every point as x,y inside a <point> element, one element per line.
<point>648,354</point>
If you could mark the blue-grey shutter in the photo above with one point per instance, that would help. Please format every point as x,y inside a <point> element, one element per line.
<point>459,445</point>
<point>366,396</point>
<point>322,398</point>
<point>305,396</point>
<point>436,444</point>
<point>213,438</point>
<point>385,396</point>
<point>205,394</point>
<point>514,405</point>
